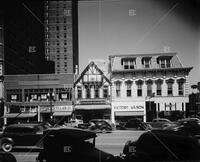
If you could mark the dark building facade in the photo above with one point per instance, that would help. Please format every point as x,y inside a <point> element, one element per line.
<point>23,35</point>
<point>38,97</point>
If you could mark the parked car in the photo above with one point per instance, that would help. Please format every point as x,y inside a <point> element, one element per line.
<point>160,123</point>
<point>162,145</point>
<point>101,125</point>
<point>70,144</point>
<point>74,123</point>
<point>191,126</point>
<point>23,134</point>
<point>134,124</point>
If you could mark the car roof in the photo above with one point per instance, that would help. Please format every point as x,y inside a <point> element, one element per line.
<point>189,119</point>
<point>73,133</point>
<point>27,125</point>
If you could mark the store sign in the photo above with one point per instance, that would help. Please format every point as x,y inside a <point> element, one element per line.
<point>130,106</point>
<point>63,108</point>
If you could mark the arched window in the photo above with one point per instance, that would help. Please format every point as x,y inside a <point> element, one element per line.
<point>139,87</point>
<point>118,88</point>
<point>159,83</point>
<point>149,87</point>
<point>170,83</point>
<point>181,86</point>
<point>128,88</point>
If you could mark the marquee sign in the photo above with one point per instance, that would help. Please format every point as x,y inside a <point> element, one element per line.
<point>129,106</point>
<point>63,108</point>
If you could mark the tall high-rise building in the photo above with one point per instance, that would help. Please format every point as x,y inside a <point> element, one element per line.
<point>61,35</point>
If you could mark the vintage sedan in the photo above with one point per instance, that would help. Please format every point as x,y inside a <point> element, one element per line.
<point>162,145</point>
<point>21,135</point>
<point>70,144</point>
<point>191,126</point>
<point>134,124</point>
<point>101,125</point>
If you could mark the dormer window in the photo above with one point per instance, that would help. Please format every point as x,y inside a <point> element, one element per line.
<point>164,61</point>
<point>128,63</point>
<point>146,61</point>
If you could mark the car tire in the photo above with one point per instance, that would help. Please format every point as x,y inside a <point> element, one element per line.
<point>7,146</point>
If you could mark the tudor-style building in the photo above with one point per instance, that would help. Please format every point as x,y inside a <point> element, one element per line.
<point>148,86</point>
<point>92,93</point>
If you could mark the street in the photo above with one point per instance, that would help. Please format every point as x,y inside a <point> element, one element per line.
<point>110,142</point>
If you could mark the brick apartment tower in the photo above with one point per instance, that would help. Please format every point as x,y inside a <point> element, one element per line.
<point>61,34</point>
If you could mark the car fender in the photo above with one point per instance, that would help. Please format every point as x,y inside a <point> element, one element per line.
<point>7,139</point>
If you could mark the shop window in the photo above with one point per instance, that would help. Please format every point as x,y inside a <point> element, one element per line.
<point>118,88</point>
<point>14,95</point>
<point>105,92</point>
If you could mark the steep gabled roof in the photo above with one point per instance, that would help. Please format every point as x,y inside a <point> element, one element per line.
<point>87,68</point>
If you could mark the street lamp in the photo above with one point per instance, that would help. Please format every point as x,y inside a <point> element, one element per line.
<point>51,97</point>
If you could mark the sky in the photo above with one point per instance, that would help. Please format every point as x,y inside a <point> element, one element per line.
<point>111,27</point>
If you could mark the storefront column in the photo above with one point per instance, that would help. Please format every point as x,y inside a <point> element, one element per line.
<point>123,89</point>
<point>164,88</point>
<point>83,92</point>
<point>145,114</point>
<point>5,111</point>
<point>134,89</point>
<point>175,88</point>
<point>112,114</point>
<point>184,109</point>
<point>38,113</point>
<point>101,92</point>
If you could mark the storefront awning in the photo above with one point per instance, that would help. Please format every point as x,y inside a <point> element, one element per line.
<point>18,115</point>
<point>92,107</point>
<point>10,115</point>
<point>129,113</point>
<point>61,113</point>
<point>27,115</point>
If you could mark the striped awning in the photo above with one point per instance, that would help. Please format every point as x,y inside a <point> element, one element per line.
<point>92,107</point>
